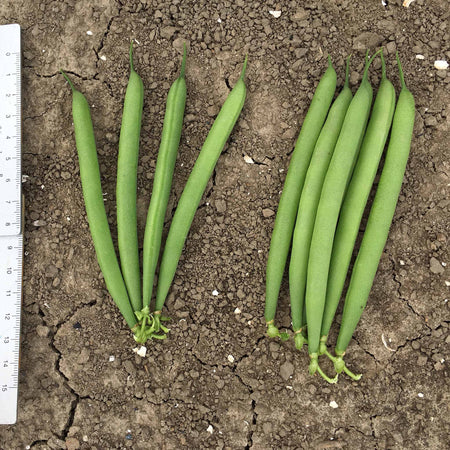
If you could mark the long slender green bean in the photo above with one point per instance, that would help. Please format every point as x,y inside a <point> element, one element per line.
<point>195,186</point>
<point>356,198</point>
<point>335,183</point>
<point>167,155</point>
<point>127,185</point>
<point>290,197</point>
<point>95,207</point>
<point>308,205</point>
<point>380,219</point>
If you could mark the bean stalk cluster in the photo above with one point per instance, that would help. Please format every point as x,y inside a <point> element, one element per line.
<point>326,191</point>
<point>131,290</point>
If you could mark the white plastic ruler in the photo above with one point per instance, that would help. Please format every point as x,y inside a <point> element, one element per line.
<point>11,239</point>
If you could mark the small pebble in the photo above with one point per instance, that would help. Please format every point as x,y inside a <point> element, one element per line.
<point>333,404</point>
<point>210,429</point>
<point>275,14</point>
<point>267,212</point>
<point>420,395</point>
<point>72,443</point>
<point>441,65</point>
<point>141,351</point>
<point>42,330</point>
<point>231,358</point>
<point>215,293</point>
<point>286,370</point>
<point>436,266</point>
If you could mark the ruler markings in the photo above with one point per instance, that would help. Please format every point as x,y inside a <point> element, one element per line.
<point>11,241</point>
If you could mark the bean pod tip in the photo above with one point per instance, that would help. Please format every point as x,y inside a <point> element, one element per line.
<point>67,79</point>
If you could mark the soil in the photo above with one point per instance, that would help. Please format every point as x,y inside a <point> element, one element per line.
<point>218,381</point>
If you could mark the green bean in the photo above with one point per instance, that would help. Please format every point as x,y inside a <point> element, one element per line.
<point>126,185</point>
<point>380,219</point>
<point>167,155</point>
<point>356,198</point>
<point>308,205</point>
<point>195,186</point>
<point>335,183</point>
<point>290,197</point>
<point>95,207</point>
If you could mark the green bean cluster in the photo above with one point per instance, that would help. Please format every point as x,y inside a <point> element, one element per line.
<point>341,159</point>
<point>132,292</point>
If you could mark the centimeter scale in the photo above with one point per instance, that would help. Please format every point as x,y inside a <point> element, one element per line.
<point>11,238</point>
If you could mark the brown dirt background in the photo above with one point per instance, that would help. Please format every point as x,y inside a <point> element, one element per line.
<point>71,395</point>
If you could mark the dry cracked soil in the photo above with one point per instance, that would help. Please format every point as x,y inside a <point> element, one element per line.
<point>218,382</point>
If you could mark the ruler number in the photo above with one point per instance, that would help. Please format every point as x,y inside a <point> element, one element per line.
<point>6,340</point>
<point>5,364</point>
<point>8,315</point>
<point>4,387</point>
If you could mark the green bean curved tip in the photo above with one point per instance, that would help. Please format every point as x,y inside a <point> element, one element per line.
<point>330,62</point>
<point>326,377</point>
<point>67,79</point>
<point>183,62</point>
<point>400,71</point>
<point>369,62</point>
<point>131,55</point>
<point>244,68</point>
<point>347,72</point>
<point>353,376</point>
<point>383,64</point>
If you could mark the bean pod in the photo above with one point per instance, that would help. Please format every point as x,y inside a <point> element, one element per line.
<point>126,187</point>
<point>167,155</point>
<point>290,197</point>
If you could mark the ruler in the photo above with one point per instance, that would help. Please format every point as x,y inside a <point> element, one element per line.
<point>11,239</point>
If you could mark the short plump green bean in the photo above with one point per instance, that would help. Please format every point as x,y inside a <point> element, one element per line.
<point>290,197</point>
<point>335,183</point>
<point>356,198</point>
<point>167,155</point>
<point>127,164</point>
<point>195,186</point>
<point>308,205</point>
<point>95,207</point>
<point>380,218</point>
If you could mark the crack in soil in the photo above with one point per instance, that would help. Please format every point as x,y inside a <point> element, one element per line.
<point>366,351</point>
<point>74,403</point>
<point>249,388</point>
<point>403,299</point>
<point>105,34</point>
<point>37,442</point>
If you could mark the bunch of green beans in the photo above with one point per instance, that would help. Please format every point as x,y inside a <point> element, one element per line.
<point>124,281</point>
<point>338,182</point>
